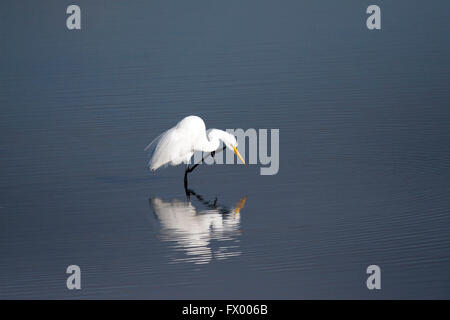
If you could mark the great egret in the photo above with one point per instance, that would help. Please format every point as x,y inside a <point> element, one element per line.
<point>178,144</point>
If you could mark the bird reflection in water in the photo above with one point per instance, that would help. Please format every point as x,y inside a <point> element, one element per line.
<point>200,232</point>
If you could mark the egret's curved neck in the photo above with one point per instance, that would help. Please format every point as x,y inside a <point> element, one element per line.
<point>212,143</point>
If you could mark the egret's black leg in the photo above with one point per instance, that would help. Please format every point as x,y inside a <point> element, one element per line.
<point>190,169</point>
<point>185,178</point>
<point>186,189</point>
<point>188,193</point>
<point>213,153</point>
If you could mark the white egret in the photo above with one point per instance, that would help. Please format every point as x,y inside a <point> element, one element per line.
<point>178,144</point>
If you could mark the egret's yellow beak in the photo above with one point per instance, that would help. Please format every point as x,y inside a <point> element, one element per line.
<point>238,154</point>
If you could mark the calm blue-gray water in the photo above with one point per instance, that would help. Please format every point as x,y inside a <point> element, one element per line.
<point>364,177</point>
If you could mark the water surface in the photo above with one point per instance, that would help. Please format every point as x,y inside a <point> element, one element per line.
<point>364,149</point>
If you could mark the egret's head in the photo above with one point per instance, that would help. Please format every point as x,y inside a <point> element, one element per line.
<point>231,143</point>
<point>228,140</point>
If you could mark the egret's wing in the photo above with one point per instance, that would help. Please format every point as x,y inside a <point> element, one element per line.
<point>169,147</point>
<point>156,148</point>
<point>152,145</point>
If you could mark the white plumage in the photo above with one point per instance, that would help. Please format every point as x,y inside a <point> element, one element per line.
<point>178,144</point>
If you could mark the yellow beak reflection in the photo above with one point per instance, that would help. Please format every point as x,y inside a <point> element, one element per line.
<point>240,204</point>
<point>238,154</point>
